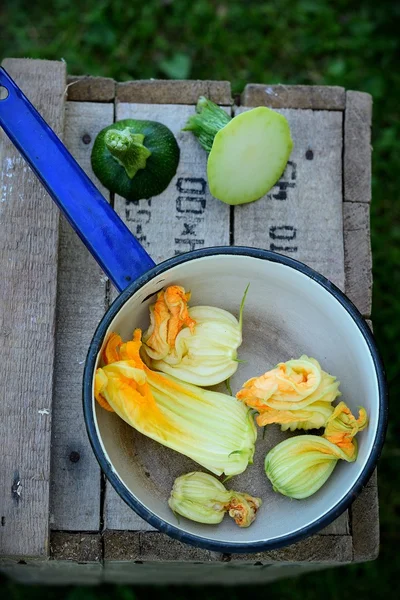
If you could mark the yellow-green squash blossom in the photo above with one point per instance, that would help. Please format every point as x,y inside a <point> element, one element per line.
<point>297,394</point>
<point>213,429</point>
<point>195,344</point>
<point>201,497</point>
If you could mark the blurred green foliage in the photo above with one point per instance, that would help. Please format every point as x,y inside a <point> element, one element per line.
<point>353,43</point>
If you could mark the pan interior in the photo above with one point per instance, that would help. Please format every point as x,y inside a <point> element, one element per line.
<point>287,314</point>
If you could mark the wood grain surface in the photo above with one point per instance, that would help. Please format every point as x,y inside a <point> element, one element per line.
<point>315,97</point>
<point>357,255</point>
<point>28,265</point>
<point>301,216</point>
<point>357,147</point>
<point>165,91</point>
<point>84,88</point>
<point>81,302</point>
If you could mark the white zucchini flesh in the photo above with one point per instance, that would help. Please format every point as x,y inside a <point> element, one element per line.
<point>248,156</point>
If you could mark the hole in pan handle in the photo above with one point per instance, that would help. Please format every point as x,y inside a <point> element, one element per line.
<point>3,93</point>
<point>106,236</point>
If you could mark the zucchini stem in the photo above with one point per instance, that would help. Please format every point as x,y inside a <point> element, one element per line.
<point>207,121</point>
<point>128,150</point>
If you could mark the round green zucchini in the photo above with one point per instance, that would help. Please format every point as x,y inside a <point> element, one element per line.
<point>135,158</point>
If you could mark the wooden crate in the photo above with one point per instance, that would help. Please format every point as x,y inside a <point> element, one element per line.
<point>60,521</point>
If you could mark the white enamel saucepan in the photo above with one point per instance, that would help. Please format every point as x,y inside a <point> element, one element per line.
<point>290,310</point>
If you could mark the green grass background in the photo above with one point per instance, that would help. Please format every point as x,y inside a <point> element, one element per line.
<point>353,43</point>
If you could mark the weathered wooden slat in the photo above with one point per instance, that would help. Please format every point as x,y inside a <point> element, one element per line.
<point>28,265</point>
<point>85,88</point>
<point>315,97</point>
<point>155,546</point>
<point>75,558</point>
<point>184,217</point>
<point>224,573</point>
<point>118,515</point>
<point>373,480</point>
<point>164,91</point>
<point>302,215</point>
<point>152,546</point>
<point>54,572</point>
<point>365,525</point>
<point>78,547</point>
<point>357,255</point>
<point>330,549</point>
<point>340,526</point>
<point>364,516</point>
<point>75,474</point>
<point>357,147</point>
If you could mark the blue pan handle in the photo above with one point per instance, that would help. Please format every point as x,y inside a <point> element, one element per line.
<point>109,240</point>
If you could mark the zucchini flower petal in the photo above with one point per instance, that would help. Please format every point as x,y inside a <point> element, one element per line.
<point>111,352</point>
<point>197,345</point>
<point>243,508</point>
<point>167,317</point>
<point>213,429</point>
<point>313,416</point>
<point>298,467</point>
<point>202,498</point>
<point>342,426</point>
<point>289,382</point>
<point>296,394</point>
<point>100,383</point>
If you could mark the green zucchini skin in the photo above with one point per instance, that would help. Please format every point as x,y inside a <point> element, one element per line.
<point>160,168</point>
